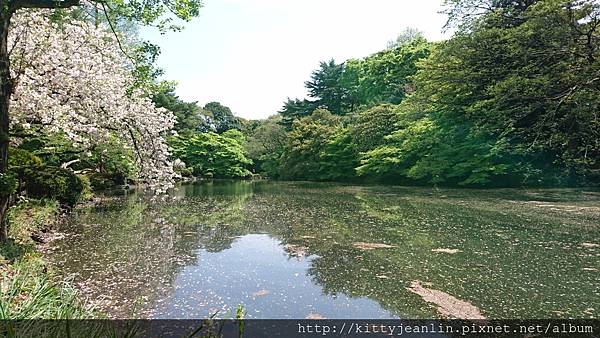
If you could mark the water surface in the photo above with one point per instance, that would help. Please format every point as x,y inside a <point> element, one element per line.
<point>288,250</point>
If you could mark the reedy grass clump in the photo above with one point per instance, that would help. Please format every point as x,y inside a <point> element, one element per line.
<point>27,292</point>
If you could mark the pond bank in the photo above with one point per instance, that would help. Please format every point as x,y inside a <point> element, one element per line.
<point>29,289</point>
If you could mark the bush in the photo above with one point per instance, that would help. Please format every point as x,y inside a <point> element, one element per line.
<point>60,184</point>
<point>180,168</point>
<point>8,184</point>
<point>28,173</point>
<point>86,192</point>
<point>21,158</point>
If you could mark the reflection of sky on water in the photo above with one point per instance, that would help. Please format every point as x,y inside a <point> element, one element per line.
<point>258,274</point>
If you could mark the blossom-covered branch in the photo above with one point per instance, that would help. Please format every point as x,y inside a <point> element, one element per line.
<point>74,79</point>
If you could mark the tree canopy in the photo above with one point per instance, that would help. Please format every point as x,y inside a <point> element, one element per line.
<point>222,117</point>
<point>214,155</point>
<point>344,88</point>
<point>511,99</point>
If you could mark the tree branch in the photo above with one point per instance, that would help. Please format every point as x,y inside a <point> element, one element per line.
<point>112,28</point>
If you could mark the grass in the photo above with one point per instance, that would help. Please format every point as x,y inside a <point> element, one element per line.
<point>27,290</point>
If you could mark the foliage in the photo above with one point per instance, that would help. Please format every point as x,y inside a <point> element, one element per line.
<point>28,293</point>
<point>108,164</point>
<point>60,184</point>
<point>37,148</point>
<point>111,160</point>
<point>344,88</point>
<point>295,109</point>
<point>213,155</point>
<point>222,117</point>
<point>265,146</point>
<point>338,158</point>
<point>510,100</point>
<point>100,181</point>
<point>249,126</point>
<point>317,149</point>
<point>8,184</point>
<point>385,77</point>
<point>331,88</point>
<point>146,75</point>
<point>187,114</point>
<point>21,158</point>
<point>73,79</point>
<point>39,180</point>
<point>29,217</point>
<point>27,290</point>
<point>425,151</point>
<point>371,126</point>
<point>158,13</point>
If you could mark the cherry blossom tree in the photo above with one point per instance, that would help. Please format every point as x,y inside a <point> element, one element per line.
<point>74,79</point>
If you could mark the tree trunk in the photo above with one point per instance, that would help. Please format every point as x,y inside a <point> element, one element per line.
<point>6,90</point>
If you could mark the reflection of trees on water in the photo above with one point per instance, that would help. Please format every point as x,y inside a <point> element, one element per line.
<point>498,239</point>
<point>500,268</point>
<point>327,227</point>
<point>136,245</point>
<point>126,252</point>
<point>131,248</point>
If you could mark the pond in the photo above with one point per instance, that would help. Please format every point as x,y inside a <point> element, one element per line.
<point>318,250</point>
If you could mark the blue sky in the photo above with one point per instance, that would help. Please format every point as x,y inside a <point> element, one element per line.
<point>251,55</point>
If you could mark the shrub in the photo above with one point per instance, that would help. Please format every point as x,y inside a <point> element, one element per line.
<point>28,217</point>
<point>60,184</point>
<point>21,158</point>
<point>28,293</point>
<point>86,193</point>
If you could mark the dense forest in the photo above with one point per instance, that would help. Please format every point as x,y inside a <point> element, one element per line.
<point>511,99</point>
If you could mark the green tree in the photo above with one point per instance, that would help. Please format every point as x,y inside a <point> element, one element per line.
<point>430,150</point>
<point>187,113</point>
<point>222,117</point>
<point>213,155</point>
<point>371,126</point>
<point>295,109</point>
<point>338,158</point>
<point>510,99</point>
<point>265,146</point>
<point>532,69</point>
<point>331,89</point>
<point>385,77</point>
<point>318,149</point>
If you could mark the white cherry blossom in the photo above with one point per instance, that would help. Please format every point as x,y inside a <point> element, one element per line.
<point>73,78</point>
